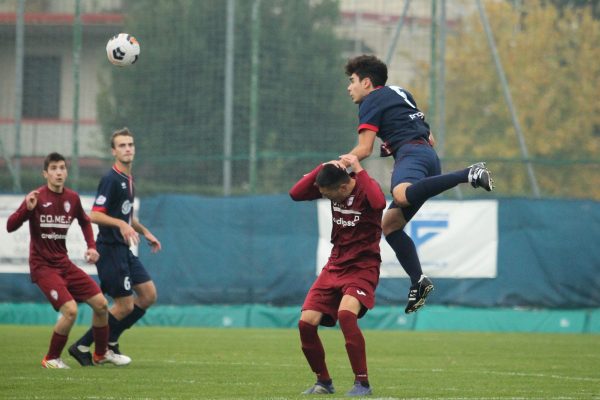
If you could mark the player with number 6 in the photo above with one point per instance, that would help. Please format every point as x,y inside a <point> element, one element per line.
<point>121,273</point>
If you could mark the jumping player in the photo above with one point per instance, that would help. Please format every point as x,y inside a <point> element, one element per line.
<point>345,288</point>
<point>391,113</point>
<point>50,210</point>
<point>121,273</point>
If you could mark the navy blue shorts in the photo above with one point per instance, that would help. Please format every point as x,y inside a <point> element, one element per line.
<point>413,162</point>
<point>119,270</point>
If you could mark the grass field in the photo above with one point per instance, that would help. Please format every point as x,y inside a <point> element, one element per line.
<point>193,363</point>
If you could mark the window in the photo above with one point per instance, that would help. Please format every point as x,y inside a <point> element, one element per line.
<point>41,87</point>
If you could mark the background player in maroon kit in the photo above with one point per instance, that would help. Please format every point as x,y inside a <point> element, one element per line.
<point>345,288</point>
<point>50,210</point>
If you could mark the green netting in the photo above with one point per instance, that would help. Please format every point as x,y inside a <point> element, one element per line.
<point>248,106</point>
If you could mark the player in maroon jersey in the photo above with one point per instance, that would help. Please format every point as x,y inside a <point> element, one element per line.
<point>50,210</point>
<point>345,288</point>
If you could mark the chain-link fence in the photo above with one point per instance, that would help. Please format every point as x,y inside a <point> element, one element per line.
<point>244,96</point>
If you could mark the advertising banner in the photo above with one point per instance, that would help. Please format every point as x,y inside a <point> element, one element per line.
<point>454,239</point>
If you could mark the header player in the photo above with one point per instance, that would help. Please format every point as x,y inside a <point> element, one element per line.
<point>50,211</point>
<point>121,273</point>
<point>345,288</point>
<point>391,113</point>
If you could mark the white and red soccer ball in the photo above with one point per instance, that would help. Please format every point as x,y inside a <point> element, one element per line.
<point>122,50</point>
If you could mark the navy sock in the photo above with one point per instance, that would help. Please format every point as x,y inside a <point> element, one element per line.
<point>125,323</point>
<point>426,188</point>
<point>406,253</point>
<point>114,328</point>
<point>87,339</point>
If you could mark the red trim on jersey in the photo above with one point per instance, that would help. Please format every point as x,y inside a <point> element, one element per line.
<point>99,209</point>
<point>118,170</point>
<point>369,127</point>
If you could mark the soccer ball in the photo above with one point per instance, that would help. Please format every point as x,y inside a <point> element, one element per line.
<point>122,49</point>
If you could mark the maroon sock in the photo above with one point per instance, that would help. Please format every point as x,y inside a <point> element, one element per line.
<point>57,344</point>
<point>101,339</point>
<point>313,350</point>
<point>355,345</point>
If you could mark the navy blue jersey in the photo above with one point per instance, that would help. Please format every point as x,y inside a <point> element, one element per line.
<point>114,198</point>
<point>392,113</point>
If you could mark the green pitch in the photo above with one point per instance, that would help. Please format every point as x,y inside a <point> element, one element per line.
<point>192,363</point>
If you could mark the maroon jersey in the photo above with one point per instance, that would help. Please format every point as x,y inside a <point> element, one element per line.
<point>49,222</point>
<point>356,230</point>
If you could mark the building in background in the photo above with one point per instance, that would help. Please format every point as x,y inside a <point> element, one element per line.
<point>48,82</point>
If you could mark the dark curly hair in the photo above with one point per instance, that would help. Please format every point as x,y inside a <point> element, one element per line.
<point>332,176</point>
<point>368,67</point>
<point>53,157</point>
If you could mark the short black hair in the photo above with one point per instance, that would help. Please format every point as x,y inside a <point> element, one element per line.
<point>368,67</point>
<point>53,157</point>
<point>331,176</point>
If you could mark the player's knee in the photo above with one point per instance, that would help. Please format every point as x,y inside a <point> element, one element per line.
<point>147,300</point>
<point>399,195</point>
<point>400,200</point>
<point>309,318</point>
<point>391,223</point>
<point>69,311</point>
<point>100,306</point>
<point>347,319</point>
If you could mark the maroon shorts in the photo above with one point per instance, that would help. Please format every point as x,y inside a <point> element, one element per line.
<point>69,282</point>
<point>331,285</point>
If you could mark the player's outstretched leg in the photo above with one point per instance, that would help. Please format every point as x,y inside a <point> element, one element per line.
<point>418,294</point>
<point>480,176</point>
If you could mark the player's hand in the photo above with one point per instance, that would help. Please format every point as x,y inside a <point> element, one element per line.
<point>352,161</point>
<point>91,256</point>
<point>31,199</point>
<point>131,237</point>
<point>337,163</point>
<point>431,139</point>
<point>153,242</point>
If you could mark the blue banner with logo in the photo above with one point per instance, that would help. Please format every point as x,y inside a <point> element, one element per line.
<point>265,249</point>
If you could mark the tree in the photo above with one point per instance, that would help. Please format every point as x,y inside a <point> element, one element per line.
<point>550,60</point>
<point>173,98</point>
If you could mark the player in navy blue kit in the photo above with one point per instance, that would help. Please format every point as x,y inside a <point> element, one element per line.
<point>391,113</point>
<point>121,273</point>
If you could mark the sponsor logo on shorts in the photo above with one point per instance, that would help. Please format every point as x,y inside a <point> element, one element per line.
<point>54,294</point>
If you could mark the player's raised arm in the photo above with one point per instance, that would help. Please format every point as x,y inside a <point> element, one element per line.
<point>305,188</point>
<point>375,195</point>
<point>366,141</point>
<point>22,214</point>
